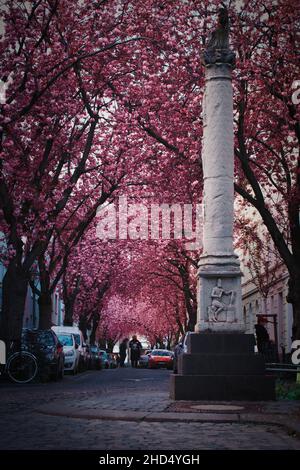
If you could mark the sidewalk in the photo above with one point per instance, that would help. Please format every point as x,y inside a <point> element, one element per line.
<point>149,407</point>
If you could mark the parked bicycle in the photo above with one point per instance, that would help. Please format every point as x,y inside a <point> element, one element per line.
<point>21,366</point>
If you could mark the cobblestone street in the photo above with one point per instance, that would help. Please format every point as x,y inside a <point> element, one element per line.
<point>122,409</point>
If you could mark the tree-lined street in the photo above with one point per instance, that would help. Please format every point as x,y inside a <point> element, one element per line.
<point>107,409</point>
<point>149,213</point>
<point>102,101</point>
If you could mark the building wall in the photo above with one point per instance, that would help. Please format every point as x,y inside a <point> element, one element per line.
<point>275,303</point>
<point>276,288</point>
<point>31,312</point>
<point>58,309</point>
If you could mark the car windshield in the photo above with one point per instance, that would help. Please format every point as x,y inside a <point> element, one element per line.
<point>161,353</point>
<point>44,338</point>
<point>65,340</point>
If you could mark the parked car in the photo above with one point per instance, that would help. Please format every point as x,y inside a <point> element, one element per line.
<point>79,341</point>
<point>44,344</point>
<point>160,358</point>
<point>104,359</point>
<point>144,359</point>
<point>71,352</point>
<point>96,362</point>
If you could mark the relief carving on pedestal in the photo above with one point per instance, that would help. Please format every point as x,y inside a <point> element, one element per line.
<point>219,307</point>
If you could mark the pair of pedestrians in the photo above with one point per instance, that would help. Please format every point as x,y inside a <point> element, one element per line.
<point>135,351</point>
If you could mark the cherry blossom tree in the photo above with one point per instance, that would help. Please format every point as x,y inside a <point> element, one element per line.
<point>265,36</point>
<point>148,293</point>
<point>64,66</point>
<point>104,98</point>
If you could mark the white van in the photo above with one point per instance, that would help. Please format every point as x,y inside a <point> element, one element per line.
<point>78,338</point>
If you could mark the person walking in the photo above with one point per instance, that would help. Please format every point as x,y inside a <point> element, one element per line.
<point>262,335</point>
<point>135,351</point>
<point>123,351</point>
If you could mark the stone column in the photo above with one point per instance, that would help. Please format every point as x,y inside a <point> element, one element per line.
<point>219,362</point>
<point>219,288</point>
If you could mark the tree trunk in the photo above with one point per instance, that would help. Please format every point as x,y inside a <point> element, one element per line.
<point>191,310</point>
<point>102,343</point>
<point>69,300</point>
<point>68,319</point>
<point>83,326</point>
<point>110,345</point>
<point>181,328</point>
<point>190,299</point>
<point>192,320</point>
<point>95,319</point>
<point>45,310</point>
<point>45,299</point>
<point>177,336</point>
<point>14,291</point>
<point>159,343</point>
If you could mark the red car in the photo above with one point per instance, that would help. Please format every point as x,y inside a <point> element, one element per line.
<point>160,358</point>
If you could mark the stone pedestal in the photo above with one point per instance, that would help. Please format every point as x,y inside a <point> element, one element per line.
<point>219,295</point>
<point>221,366</point>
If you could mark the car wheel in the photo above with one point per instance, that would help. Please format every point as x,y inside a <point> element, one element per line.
<point>45,375</point>
<point>55,375</point>
<point>81,365</point>
<point>58,373</point>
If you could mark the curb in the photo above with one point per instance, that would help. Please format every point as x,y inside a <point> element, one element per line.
<point>292,426</point>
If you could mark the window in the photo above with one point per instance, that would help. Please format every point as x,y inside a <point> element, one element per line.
<point>66,340</point>
<point>45,337</point>
<point>161,353</point>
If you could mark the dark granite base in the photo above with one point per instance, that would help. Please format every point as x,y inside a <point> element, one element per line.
<point>221,366</point>
<point>220,343</point>
<point>222,387</point>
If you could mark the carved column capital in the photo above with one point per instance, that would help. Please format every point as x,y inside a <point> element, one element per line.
<point>218,56</point>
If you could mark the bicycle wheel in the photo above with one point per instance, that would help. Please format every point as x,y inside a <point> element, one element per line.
<point>22,367</point>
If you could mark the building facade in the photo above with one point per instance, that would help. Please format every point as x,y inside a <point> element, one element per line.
<point>31,311</point>
<point>272,304</point>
